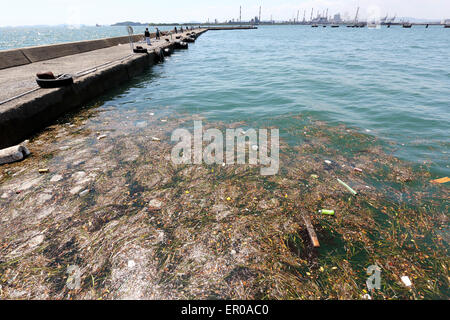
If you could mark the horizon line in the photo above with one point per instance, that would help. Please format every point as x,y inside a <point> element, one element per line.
<point>176,23</point>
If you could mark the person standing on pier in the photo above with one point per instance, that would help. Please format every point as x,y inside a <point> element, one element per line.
<point>147,37</point>
<point>158,34</point>
<point>176,30</point>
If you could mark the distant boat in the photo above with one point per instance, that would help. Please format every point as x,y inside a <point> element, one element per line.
<point>314,26</point>
<point>98,26</point>
<point>357,25</point>
<point>407,25</point>
<point>335,26</point>
<point>372,25</point>
<point>447,26</point>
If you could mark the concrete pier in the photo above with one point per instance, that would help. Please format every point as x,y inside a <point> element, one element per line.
<point>97,66</point>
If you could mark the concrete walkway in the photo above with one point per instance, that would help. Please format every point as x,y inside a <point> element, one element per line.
<point>17,80</point>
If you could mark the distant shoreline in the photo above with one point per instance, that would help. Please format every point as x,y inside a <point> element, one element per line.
<point>247,23</point>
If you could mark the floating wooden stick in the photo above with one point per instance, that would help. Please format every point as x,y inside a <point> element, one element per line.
<point>311,232</point>
<point>442,180</point>
<point>348,187</point>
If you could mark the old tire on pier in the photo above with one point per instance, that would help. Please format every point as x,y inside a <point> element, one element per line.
<point>168,51</point>
<point>181,45</point>
<point>159,55</point>
<point>60,81</point>
<point>140,50</point>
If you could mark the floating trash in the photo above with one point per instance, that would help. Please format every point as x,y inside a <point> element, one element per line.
<point>13,154</point>
<point>155,203</point>
<point>442,180</point>
<point>347,187</point>
<point>134,213</point>
<point>327,212</point>
<point>406,281</point>
<point>131,264</point>
<point>83,193</point>
<point>56,178</point>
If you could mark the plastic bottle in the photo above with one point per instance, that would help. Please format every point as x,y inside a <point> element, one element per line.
<point>327,212</point>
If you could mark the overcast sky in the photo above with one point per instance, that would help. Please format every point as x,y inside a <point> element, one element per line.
<point>90,12</point>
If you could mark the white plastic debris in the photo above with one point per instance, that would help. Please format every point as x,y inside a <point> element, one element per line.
<point>76,190</point>
<point>155,203</point>
<point>255,148</point>
<point>13,154</point>
<point>36,241</point>
<point>131,264</point>
<point>328,162</point>
<point>101,137</point>
<point>56,178</point>
<point>83,193</point>
<point>406,281</point>
<point>141,124</point>
<point>155,139</point>
<point>79,175</point>
<point>6,195</point>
